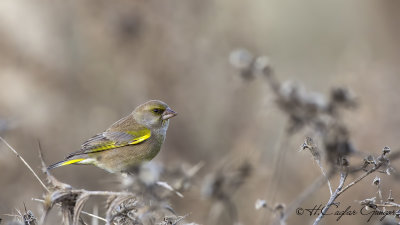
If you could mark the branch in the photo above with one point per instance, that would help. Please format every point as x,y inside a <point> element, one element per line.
<point>377,166</point>
<point>333,197</point>
<point>382,160</point>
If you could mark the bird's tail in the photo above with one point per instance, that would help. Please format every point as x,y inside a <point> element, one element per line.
<point>63,163</point>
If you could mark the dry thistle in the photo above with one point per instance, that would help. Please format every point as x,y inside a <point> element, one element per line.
<point>307,109</point>
<point>376,181</point>
<point>220,187</point>
<point>309,144</point>
<point>369,202</point>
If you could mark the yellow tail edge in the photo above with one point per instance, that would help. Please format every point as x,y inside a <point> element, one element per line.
<point>72,161</point>
<point>63,163</point>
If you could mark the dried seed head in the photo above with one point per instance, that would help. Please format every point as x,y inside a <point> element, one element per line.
<point>263,64</point>
<point>241,58</point>
<point>377,181</point>
<point>29,218</point>
<point>345,162</point>
<point>279,207</point>
<point>390,198</point>
<point>386,150</point>
<point>369,159</point>
<point>260,204</point>
<point>369,203</point>
<point>389,170</point>
<point>398,213</point>
<point>343,96</point>
<point>309,144</point>
<point>340,94</point>
<point>303,147</point>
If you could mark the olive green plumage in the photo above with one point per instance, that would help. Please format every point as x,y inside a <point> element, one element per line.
<point>128,142</point>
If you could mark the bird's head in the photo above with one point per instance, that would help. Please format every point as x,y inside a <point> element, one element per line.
<point>154,114</point>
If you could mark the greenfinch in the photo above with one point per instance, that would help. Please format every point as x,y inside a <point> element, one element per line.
<point>128,142</point>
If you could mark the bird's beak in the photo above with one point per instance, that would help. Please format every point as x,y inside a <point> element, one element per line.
<point>168,113</point>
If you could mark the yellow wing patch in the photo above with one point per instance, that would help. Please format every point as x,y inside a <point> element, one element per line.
<point>145,135</point>
<point>138,137</point>
<point>105,146</point>
<point>72,161</point>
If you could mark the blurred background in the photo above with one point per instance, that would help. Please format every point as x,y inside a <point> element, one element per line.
<point>69,69</point>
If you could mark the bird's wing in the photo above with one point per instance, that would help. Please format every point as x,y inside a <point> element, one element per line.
<point>113,139</point>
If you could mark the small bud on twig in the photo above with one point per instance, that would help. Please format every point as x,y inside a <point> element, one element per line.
<point>386,150</point>
<point>376,181</point>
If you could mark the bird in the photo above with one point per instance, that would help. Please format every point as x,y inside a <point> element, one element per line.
<point>127,143</point>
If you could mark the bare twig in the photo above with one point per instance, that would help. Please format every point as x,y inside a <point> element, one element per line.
<point>95,220</point>
<point>26,164</point>
<point>103,193</point>
<point>279,158</point>
<point>377,166</point>
<point>304,195</point>
<point>94,216</point>
<point>382,160</point>
<point>168,187</point>
<point>314,150</point>
<point>389,204</point>
<point>343,176</point>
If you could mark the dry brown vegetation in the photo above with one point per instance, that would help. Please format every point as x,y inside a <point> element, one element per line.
<point>304,116</point>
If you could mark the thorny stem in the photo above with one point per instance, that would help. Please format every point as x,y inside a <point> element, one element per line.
<point>26,164</point>
<point>343,176</point>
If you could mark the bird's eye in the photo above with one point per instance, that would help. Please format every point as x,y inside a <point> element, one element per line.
<point>156,110</point>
